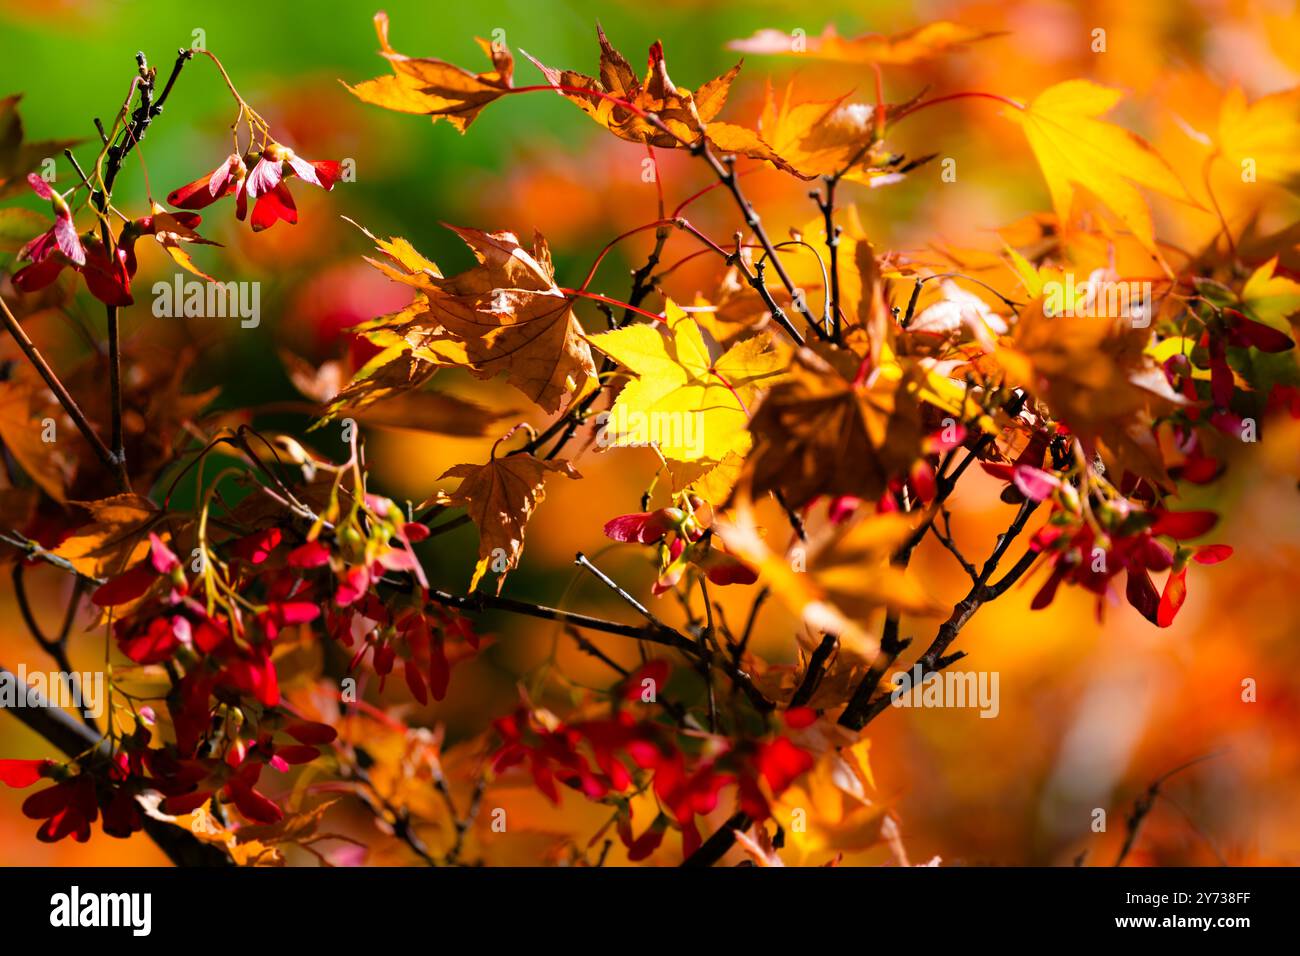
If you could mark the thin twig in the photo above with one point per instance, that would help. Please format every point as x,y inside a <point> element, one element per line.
<point>115,155</point>
<point>1144,804</point>
<point>862,709</point>
<point>725,170</point>
<point>57,387</point>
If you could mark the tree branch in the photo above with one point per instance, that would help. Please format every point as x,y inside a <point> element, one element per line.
<point>725,170</point>
<point>862,709</point>
<point>74,739</point>
<point>715,847</point>
<point>136,128</point>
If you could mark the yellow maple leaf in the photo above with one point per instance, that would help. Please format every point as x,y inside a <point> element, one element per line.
<point>836,579</point>
<point>1076,149</point>
<point>1271,298</point>
<point>1265,133</point>
<point>831,802</point>
<point>817,138</point>
<point>687,403</point>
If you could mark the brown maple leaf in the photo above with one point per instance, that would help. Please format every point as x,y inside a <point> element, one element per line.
<point>156,414</point>
<point>29,421</point>
<point>1092,374</point>
<point>406,408</point>
<point>115,538</point>
<point>828,430</point>
<point>682,113</point>
<point>434,87</point>
<point>504,316</point>
<point>500,497</point>
<point>682,117</point>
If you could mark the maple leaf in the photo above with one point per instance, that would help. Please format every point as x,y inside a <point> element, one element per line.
<point>836,579</point>
<point>1271,298</point>
<point>17,158</point>
<point>711,481</point>
<point>116,537</point>
<point>393,372</point>
<point>24,409</point>
<point>434,87</point>
<point>1077,149</point>
<point>1265,132</point>
<point>504,316</point>
<point>824,138</point>
<point>424,411</point>
<point>682,113</point>
<point>243,848</point>
<point>844,818</point>
<point>295,828</point>
<point>828,431</point>
<point>500,498</point>
<point>684,117</point>
<point>807,273</point>
<point>920,43</point>
<point>1094,375</point>
<point>157,414</point>
<point>734,309</point>
<point>683,400</point>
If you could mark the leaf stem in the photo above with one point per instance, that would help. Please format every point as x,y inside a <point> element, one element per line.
<point>963,95</point>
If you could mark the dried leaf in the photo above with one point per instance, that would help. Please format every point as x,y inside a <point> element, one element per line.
<point>500,498</point>
<point>434,87</point>
<point>504,316</point>
<point>115,538</point>
<point>824,432</point>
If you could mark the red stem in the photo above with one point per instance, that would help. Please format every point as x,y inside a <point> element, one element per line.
<point>679,223</point>
<point>614,302</point>
<point>708,189</point>
<point>695,255</point>
<point>591,273</point>
<point>965,94</point>
<point>878,124</point>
